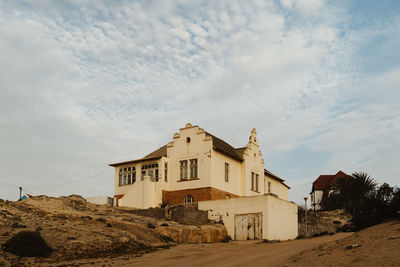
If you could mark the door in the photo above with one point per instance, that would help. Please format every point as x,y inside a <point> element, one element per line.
<point>248,226</point>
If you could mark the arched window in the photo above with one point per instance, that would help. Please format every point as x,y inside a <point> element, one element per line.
<point>188,199</point>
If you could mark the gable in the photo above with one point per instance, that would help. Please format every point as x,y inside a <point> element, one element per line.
<point>225,148</point>
<point>324,181</point>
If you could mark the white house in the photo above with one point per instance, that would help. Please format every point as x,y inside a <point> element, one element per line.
<point>195,166</point>
<point>321,188</point>
<point>230,183</point>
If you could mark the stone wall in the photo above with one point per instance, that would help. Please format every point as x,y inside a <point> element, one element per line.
<point>189,214</point>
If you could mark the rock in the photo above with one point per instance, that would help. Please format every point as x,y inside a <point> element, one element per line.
<point>394,237</point>
<point>17,225</point>
<point>353,246</point>
<point>124,240</point>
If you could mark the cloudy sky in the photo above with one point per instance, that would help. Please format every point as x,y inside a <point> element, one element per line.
<point>87,83</point>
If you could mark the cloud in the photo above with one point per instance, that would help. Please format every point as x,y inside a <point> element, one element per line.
<point>87,84</point>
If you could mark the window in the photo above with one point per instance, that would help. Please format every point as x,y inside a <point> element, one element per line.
<point>193,168</point>
<point>226,172</point>
<point>127,175</point>
<point>257,182</point>
<point>166,172</point>
<point>269,187</point>
<point>150,170</point>
<point>183,166</point>
<point>254,181</point>
<point>187,139</point>
<point>188,199</point>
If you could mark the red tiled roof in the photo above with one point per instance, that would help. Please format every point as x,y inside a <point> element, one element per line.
<point>324,181</point>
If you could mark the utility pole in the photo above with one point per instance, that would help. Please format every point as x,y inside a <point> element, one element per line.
<point>20,193</point>
<point>305,206</point>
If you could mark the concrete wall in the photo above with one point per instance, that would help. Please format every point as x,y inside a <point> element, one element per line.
<point>279,217</point>
<point>100,200</point>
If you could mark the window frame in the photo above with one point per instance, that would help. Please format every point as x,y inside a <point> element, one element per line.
<point>166,172</point>
<point>227,172</point>
<point>183,169</point>
<point>188,197</point>
<point>255,182</point>
<point>151,170</point>
<point>193,168</point>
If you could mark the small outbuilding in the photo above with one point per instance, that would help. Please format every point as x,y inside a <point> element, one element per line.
<point>254,217</point>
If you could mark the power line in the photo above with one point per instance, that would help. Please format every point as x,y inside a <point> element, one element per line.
<point>59,184</point>
<point>8,185</point>
<point>71,182</point>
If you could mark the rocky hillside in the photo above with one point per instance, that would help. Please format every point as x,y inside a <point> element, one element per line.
<point>76,229</point>
<point>322,222</point>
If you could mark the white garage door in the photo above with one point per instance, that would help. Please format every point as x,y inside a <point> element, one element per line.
<point>248,226</point>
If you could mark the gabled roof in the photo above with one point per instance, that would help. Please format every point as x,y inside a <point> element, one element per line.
<point>225,148</point>
<point>324,181</point>
<point>275,177</point>
<point>161,152</point>
<point>218,144</point>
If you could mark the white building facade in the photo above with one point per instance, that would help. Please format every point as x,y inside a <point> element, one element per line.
<point>195,166</point>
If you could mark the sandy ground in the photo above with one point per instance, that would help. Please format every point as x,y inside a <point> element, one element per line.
<point>375,246</point>
<point>378,245</point>
<point>238,253</point>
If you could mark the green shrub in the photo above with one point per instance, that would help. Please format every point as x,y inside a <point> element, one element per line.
<point>27,244</point>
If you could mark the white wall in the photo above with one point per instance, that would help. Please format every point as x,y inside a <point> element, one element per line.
<point>210,167</point>
<point>100,200</point>
<point>218,173</point>
<point>277,188</point>
<point>279,217</point>
<point>199,148</point>
<point>316,196</point>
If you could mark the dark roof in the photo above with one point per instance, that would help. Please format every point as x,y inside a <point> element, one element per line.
<point>218,144</point>
<point>273,176</point>
<point>161,152</point>
<point>225,148</point>
<point>240,151</point>
<point>324,181</point>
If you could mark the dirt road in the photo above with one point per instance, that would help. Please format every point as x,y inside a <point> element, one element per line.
<point>240,253</point>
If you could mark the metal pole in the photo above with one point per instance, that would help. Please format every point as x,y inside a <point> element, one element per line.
<point>305,205</point>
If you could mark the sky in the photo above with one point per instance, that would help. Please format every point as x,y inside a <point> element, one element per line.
<point>88,83</point>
